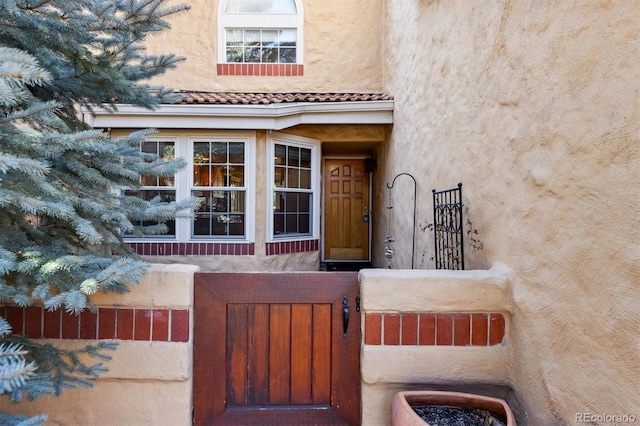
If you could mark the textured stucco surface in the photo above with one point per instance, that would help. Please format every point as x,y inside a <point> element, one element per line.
<point>148,382</point>
<point>111,403</point>
<point>342,50</point>
<point>534,107</point>
<point>388,369</point>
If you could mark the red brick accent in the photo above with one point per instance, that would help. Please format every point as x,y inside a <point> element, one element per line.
<point>284,247</point>
<point>391,329</point>
<point>193,249</point>
<point>52,324</point>
<point>88,325</point>
<point>409,329</point>
<point>14,316</point>
<point>427,333</point>
<point>373,329</point>
<point>124,328</point>
<point>142,327</point>
<point>429,329</point>
<point>276,70</point>
<point>496,329</point>
<point>461,330</point>
<point>444,329</point>
<point>70,326</point>
<point>33,322</point>
<point>160,325</point>
<point>180,326</point>
<point>479,330</point>
<point>107,323</point>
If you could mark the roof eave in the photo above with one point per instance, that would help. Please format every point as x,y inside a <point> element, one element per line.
<point>275,116</point>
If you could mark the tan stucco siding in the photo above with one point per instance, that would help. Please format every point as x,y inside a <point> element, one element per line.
<point>342,50</point>
<point>535,109</point>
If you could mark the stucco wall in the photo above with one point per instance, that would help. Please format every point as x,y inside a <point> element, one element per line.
<point>149,382</point>
<point>534,107</point>
<point>463,360</point>
<point>342,50</point>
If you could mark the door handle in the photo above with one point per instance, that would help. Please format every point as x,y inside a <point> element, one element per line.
<point>345,316</point>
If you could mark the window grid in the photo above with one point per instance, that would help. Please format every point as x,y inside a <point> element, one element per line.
<point>219,185</point>
<point>152,186</point>
<point>268,46</point>
<point>293,195</point>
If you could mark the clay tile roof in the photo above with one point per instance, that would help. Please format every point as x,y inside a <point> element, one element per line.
<point>243,98</point>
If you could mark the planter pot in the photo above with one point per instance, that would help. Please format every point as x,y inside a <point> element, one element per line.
<point>402,413</point>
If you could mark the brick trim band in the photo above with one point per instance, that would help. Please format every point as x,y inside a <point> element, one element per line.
<point>158,325</point>
<point>285,247</point>
<point>434,329</point>
<point>196,249</point>
<point>264,70</point>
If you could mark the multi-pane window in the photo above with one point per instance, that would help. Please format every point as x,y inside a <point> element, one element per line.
<point>162,187</point>
<point>262,46</point>
<point>293,193</point>
<point>260,31</point>
<point>219,184</point>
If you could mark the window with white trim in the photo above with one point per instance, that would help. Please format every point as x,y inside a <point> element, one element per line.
<point>294,182</point>
<point>219,183</point>
<point>162,187</point>
<point>260,31</point>
<point>220,174</point>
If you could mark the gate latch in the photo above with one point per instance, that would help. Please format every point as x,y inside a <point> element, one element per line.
<point>345,316</point>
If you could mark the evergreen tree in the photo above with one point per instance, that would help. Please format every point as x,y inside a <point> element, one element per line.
<point>64,200</point>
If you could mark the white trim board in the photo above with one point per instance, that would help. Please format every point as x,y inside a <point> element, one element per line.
<point>255,117</point>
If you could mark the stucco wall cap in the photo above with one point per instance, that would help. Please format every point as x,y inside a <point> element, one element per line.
<point>436,290</point>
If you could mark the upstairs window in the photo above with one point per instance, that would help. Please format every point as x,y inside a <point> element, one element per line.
<point>261,46</point>
<point>260,32</point>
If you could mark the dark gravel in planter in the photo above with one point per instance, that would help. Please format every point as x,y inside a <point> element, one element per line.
<point>451,416</point>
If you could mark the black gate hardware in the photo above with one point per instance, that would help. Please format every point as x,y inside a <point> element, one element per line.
<point>345,316</point>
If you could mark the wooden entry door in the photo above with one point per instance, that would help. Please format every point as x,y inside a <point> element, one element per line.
<point>346,210</point>
<point>276,349</point>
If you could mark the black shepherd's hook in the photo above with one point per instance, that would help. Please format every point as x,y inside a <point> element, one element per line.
<point>415,197</point>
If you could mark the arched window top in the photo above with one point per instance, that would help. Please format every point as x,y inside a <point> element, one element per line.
<point>260,6</point>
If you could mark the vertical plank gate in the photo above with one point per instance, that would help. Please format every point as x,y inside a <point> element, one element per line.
<point>276,348</point>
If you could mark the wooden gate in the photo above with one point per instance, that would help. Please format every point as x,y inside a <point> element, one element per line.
<point>276,349</point>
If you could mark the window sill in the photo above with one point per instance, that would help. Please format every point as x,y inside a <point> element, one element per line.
<point>264,70</point>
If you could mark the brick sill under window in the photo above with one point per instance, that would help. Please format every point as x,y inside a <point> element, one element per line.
<point>265,70</point>
<point>148,248</point>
